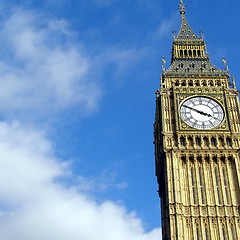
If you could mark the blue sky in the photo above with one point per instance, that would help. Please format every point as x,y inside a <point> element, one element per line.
<point>78,81</point>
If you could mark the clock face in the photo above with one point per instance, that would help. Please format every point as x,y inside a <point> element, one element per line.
<point>201,112</point>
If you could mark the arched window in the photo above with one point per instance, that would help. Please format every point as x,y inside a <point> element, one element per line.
<point>181,53</point>
<point>182,141</point>
<point>198,141</point>
<point>207,159</point>
<point>205,142</point>
<point>219,83</point>
<point>190,141</point>
<point>194,53</point>
<point>221,141</point>
<point>183,158</point>
<point>213,141</point>
<point>229,141</point>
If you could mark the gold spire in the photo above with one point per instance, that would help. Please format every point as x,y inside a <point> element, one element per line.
<point>182,7</point>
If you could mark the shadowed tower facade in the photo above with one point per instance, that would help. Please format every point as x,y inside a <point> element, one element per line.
<point>197,143</point>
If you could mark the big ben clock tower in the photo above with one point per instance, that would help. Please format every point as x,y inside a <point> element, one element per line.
<point>197,144</point>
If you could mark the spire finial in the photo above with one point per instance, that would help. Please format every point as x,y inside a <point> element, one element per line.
<point>182,7</point>
<point>225,64</point>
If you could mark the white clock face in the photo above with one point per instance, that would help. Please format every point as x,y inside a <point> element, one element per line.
<point>201,112</point>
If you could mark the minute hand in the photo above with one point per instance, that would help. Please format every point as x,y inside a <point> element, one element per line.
<point>198,111</point>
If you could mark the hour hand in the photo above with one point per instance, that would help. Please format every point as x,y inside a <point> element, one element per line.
<point>205,114</point>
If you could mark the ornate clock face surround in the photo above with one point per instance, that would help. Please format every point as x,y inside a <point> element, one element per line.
<point>201,112</point>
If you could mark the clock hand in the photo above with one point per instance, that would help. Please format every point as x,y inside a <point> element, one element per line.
<point>198,111</point>
<point>205,114</point>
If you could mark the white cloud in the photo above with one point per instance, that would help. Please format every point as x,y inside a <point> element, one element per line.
<point>99,184</point>
<point>166,25</point>
<point>121,58</point>
<point>34,205</point>
<point>42,67</point>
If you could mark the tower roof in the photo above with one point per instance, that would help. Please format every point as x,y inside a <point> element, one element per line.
<point>189,54</point>
<point>185,32</point>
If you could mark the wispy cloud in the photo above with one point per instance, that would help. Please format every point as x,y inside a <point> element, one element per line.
<point>99,184</point>
<point>43,67</point>
<point>166,25</point>
<point>121,58</point>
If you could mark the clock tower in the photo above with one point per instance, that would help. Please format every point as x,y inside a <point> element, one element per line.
<point>197,143</point>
